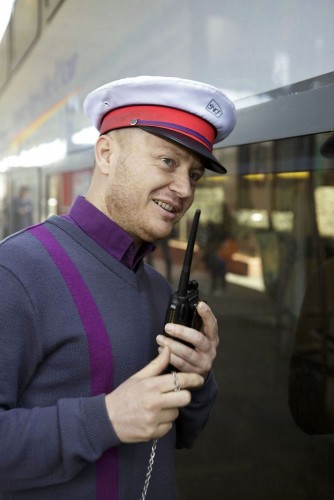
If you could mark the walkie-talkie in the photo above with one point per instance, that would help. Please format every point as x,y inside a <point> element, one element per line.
<point>182,303</point>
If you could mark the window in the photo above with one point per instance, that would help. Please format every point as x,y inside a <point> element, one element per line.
<point>4,60</point>
<point>272,227</point>
<point>25,25</point>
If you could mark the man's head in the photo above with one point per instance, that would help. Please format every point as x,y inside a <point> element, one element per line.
<point>193,114</point>
<point>149,156</point>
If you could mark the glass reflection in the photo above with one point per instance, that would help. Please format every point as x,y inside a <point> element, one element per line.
<point>276,315</point>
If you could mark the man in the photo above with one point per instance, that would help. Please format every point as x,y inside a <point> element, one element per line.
<point>83,391</point>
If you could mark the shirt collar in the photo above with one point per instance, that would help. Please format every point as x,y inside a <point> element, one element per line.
<point>109,235</point>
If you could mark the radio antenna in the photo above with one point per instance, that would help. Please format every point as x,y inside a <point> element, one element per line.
<point>185,273</point>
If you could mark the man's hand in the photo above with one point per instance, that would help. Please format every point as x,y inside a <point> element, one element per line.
<point>145,406</point>
<point>197,360</point>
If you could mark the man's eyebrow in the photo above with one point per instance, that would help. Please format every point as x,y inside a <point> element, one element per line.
<point>183,153</point>
<point>199,165</point>
<point>200,169</point>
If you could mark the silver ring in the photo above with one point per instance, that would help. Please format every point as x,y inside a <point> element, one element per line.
<point>176,382</point>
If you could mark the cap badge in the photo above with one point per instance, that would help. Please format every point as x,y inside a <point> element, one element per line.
<point>214,108</point>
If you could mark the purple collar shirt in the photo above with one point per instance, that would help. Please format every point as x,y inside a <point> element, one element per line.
<point>106,233</point>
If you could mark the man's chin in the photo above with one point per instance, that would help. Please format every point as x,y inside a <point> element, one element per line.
<point>159,235</point>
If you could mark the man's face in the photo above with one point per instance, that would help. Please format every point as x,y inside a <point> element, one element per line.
<point>151,185</point>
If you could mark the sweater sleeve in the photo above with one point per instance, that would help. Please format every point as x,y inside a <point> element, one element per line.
<point>48,445</point>
<point>193,418</point>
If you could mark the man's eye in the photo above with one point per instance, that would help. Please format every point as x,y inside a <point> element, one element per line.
<point>195,176</point>
<point>168,161</point>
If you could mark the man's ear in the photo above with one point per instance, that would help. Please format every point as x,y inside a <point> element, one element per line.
<point>103,151</point>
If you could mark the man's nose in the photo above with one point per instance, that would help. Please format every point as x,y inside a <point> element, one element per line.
<point>181,184</point>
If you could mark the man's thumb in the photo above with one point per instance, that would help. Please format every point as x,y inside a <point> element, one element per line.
<point>156,366</point>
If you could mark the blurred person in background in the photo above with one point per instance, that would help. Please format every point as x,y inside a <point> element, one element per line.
<point>83,390</point>
<point>22,209</point>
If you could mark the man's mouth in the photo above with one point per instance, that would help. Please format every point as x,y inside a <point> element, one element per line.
<point>165,206</point>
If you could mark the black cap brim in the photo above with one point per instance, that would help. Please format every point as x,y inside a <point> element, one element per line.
<point>210,161</point>
<point>327,149</point>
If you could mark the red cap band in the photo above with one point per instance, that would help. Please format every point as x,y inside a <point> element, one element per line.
<point>160,117</point>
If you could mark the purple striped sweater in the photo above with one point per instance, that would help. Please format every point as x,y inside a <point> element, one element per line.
<point>74,324</point>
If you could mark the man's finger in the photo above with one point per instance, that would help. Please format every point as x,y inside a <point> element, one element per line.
<point>209,320</point>
<point>157,366</point>
<point>178,381</point>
